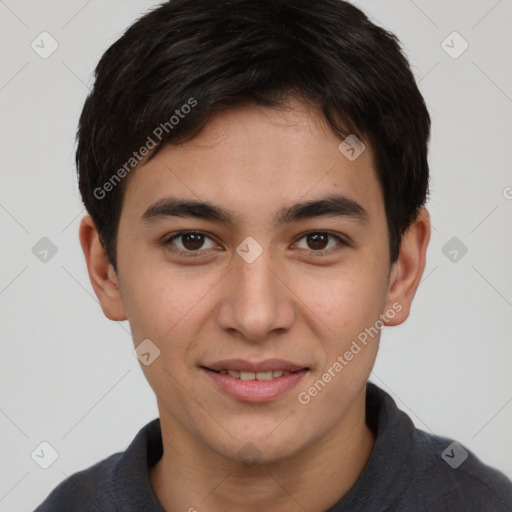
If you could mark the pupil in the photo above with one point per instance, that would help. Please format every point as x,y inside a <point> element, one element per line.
<point>192,241</point>
<point>317,241</point>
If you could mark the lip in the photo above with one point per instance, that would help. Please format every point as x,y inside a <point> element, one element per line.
<point>242,365</point>
<point>255,391</point>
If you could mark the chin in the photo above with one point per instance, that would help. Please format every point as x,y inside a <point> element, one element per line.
<point>259,450</point>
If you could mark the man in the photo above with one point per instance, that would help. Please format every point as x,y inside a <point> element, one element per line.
<point>256,175</point>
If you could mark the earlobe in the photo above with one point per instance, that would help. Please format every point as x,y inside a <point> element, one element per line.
<point>101,273</point>
<point>407,271</point>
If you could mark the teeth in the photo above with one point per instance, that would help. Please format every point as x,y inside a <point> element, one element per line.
<point>255,375</point>
<point>264,375</point>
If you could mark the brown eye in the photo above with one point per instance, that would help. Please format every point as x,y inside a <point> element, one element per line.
<point>190,241</point>
<point>317,241</point>
<point>320,241</point>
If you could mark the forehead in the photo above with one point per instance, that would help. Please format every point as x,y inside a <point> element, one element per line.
<point>252,160</point>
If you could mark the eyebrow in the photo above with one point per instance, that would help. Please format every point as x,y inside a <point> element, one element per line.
<point>332,205</point>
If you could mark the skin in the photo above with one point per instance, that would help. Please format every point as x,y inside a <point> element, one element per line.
<point>287,304</point>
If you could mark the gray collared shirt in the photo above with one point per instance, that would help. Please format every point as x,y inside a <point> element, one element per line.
<point>409,470</point>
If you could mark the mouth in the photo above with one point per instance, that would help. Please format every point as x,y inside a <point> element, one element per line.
<point>265,375</point>
<point>255,382</point>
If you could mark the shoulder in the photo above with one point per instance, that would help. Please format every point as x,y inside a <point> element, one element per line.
<point>119,482</point>
<point>422,471</point>
<point>449,474</point>
<point>89,489</point>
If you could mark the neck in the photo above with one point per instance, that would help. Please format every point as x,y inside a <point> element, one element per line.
<point>191,476</point>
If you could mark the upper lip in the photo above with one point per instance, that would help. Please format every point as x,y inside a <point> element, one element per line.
<point>242,365</point>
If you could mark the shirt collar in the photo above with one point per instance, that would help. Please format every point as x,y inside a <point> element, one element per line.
<point>384,478</point>
<point>130,475</point>
<point>389,470</point>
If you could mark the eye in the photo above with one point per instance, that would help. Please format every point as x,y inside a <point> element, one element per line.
<point>189,242</point>
<point>318,241</point>
<point>196,243</point>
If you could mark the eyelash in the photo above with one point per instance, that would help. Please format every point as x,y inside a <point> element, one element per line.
<point>167,243</point>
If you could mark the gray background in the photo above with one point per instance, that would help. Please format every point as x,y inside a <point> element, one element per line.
<point>68,375</point>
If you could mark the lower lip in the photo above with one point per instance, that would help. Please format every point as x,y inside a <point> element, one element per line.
<point>256,390</point>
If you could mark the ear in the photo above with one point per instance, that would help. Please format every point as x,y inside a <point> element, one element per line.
<point>406,272</point>
<point>101,273</point>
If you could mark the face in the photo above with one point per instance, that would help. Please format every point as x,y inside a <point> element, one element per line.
<point>253,279</point>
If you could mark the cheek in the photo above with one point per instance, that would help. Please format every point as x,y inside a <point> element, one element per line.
<point>164,304</point>
<point>153,303</point>
<point>344,301</point>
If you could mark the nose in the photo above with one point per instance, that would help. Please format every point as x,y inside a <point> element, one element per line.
<point>256,302</point>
